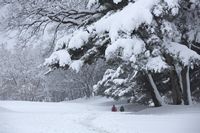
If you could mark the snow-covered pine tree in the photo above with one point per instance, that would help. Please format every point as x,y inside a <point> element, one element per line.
<point>149,38</point>
<point>147,35</point>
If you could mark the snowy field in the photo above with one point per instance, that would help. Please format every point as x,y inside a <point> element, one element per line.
<point>94,116</point>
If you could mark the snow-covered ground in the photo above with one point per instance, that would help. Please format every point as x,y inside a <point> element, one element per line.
<point>94,116</point>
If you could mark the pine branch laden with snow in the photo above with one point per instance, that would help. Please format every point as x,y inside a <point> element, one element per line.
<point>113,24</point>
<point>78,39</point>
<point>115,85</point>
<point>61,57</point>
<point>156,64</point>
<point>130,48</point>
<point>132,19</point>
<point>182,53</point>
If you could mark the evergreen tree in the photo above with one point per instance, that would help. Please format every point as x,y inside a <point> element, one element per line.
<point>150,41</point>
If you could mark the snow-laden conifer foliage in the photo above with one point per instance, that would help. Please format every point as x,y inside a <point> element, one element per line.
<point>142,38</point>
<point>152,46</point>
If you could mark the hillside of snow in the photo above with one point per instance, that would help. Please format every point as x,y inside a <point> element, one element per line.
<point>94,116</point>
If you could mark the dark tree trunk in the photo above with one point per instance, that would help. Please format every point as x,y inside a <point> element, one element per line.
<point>176,89</point>
<point>186,86</point>
<point>174,80</point>
<point>183,74</point>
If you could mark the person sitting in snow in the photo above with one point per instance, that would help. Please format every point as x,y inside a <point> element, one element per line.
<point>121,109</point>
<point>114,109</point>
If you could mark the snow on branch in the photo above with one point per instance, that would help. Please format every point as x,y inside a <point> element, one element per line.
<point>134,14</point>
<point>156,64</point>
<point>60,57</point>
<point>79,38</point>
<point>182,53</point>
<point>130,47</point>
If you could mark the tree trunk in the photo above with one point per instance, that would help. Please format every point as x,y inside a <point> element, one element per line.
<point>155,100</point>
<point>178,71</point>
<point>176,88</point>
<point>186,86</point>
<point>158,101</point>
<point>174,80</point>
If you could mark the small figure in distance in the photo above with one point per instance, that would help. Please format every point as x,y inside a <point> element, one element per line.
<point>121,109</point>
<point>114,109</point>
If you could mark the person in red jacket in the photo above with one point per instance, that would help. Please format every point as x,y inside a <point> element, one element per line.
<point>114,109</point>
